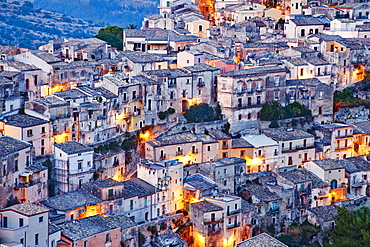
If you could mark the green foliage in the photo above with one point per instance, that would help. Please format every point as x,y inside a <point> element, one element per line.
<point>162,115</point>
<point>226,128</point>
<point>131,26</point>
<point>218,112</point>
<point>352,229</point>
<point>274,124</point>
<point>142,239</point>
<point>152,229</point>
<point>110,147</point>
<point>171,110</point>
<point>200,113</point>
<point>288,240</point>
<point>52,181</point>
<point>130,143</point>
<point>113,35</point>
<point>111,40</point>
<point>272,110</point>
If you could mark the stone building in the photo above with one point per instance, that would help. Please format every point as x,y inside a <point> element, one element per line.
<point>73,165</point>
<point>242,93</point>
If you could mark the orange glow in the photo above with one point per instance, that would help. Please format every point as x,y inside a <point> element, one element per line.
<point>199,238</point>
<point>256,161</point>
<point>337,194</point>
<point>358,74</point>
<point>146,136</point>
<point>61,138</point>
<point>195,200</point>
<point>91,211</point>
<point>229,242</point>
<point>122,116</point>
<point>186,158</point>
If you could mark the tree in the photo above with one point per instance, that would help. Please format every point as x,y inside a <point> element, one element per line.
<point>199,113</point>
<point>352,229</point>
<point>113,35</point>
<point>111,39</point>
<point>272,110</point>
<point>131,26</point>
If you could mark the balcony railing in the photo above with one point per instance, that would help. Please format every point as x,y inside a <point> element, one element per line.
<point>201,84</point>
<point>27,184</point>
<point>359,183</point>
<point>225,146</point>
<point>344,136</point>
<point>229,213</point>
<point>214,231</point>
<point>235,225</point>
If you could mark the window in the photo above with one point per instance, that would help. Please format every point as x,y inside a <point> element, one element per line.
<point>79,164</point>
<point>86,243</point>
<point>209,148</point>
<point>200,28</point>
<point>131,204</point>
<point>224,155</point>
<point>107,237</point>
<point>277,81</point>
<point>301,72</point>
<point>41,219</point>
<point>303,33</point>
<point>320,110</point>
<point>36,239</point>
<point>29,133</point>
<point>145,201</point>
<point>242,153</point>
<point>20,222</point>
<point>43,130</point>
<point>276,95</point>
<point>225,182</point>
<point>321,93</point>
<point>110,193</point>
<point>15,165</point>
<point>5,222</point>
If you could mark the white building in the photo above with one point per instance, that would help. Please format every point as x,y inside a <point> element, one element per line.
<point>265,155</point>
<point>295,147</point>
<point>73,165</point>
<point>26,224</point>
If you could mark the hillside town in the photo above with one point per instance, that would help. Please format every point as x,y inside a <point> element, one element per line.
<point>219,123</point>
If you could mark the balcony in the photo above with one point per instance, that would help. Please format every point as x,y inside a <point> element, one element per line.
<point>233,226</point>
<point>162,157</point>
<point>230,213</point>
<point>201,84</point>
<point>274,210</point>
<point>179,152</point>
<point>343,136</point>
<point>213,222</point>
<point>214,231</point>
<point>171,85</point>
<point>195,151</point>
<point>27,184</point>
<point>359,183</point>
<point>322,194</point>
<point>225,146</point>
<point>296,148</point>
